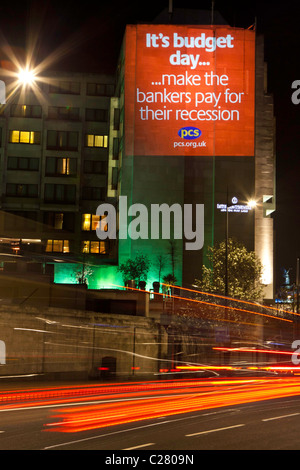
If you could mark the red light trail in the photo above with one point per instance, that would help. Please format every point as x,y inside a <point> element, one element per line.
<point>185,397</point>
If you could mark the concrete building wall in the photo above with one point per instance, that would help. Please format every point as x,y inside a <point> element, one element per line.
<point>265,168</point>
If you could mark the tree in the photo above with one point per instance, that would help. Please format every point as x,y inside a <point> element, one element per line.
<point>83,274</point>
<point>135,269</point>
<point>244,270</point>
<point>173,254</point>
<point>160,264</point>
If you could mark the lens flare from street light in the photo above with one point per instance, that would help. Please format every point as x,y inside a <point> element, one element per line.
<point>252,203</point>
<point>26,76</point>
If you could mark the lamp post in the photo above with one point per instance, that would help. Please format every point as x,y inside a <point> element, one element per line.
<point>252,204</point>
<point>226,248</point>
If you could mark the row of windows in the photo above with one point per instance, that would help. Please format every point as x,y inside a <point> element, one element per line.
<point>56,193</point>
<point>74,88</point>
<point>24,137</point>
<point>95,247</point>
<point>58,112</point>
<point>98,247</point>
<point>56,166</point>
<point>54,221</point>
<point>23,163</point>
<point>62,140</point>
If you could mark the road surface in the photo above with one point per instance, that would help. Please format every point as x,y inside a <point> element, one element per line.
<point>176,415</point>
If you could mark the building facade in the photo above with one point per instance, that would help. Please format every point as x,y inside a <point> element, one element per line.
<point>55,149</point>
<point>67,145</point>
<point>236,169</point>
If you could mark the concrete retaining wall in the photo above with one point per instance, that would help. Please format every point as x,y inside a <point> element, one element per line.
<point>73,343</point>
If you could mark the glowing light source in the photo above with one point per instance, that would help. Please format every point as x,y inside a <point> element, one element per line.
<point>26,76</point>
<point>252,203</point>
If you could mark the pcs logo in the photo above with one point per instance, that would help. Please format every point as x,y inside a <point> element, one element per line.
<point>189,133</point>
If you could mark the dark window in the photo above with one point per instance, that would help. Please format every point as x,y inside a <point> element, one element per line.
<point>115,148</point>
<point>98,115</point>
<point>62,140</point>
<point>21,190</point>
<point>65,87</point>
<point>116,119</point>
<point>93,194</point>
<point>95,167</point>
<point>99,89</point>
<point>114,183</point>
<point>23,163</point>
<point>67,113</point>
<point>64,193</point>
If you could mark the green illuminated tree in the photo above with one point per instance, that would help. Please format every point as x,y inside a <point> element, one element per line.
<point>244,270</point>
<point>135,269</point>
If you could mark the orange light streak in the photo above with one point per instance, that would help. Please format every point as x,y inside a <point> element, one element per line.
<point>233,299</point>
<point>268,351</point>
<point>210,303</point>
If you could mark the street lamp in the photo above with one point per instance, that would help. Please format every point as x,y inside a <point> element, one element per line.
<point>251,204</point>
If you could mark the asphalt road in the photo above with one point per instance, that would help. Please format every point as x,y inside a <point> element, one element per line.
<point>37,424</point>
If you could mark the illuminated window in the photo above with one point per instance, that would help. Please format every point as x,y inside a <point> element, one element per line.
<point>89,140</point>
<point>65,170</point>
<point>14,137</point>
<point>85,246</point>
<point>58,246</point>
<point>92,140</point>
<point>94,247</point>
<point>103,224</point>
<point>24,137</point>
<point>86,222</point>
<point>91,222</point>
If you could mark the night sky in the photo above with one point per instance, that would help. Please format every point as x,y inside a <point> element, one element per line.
<point>86,36</point>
